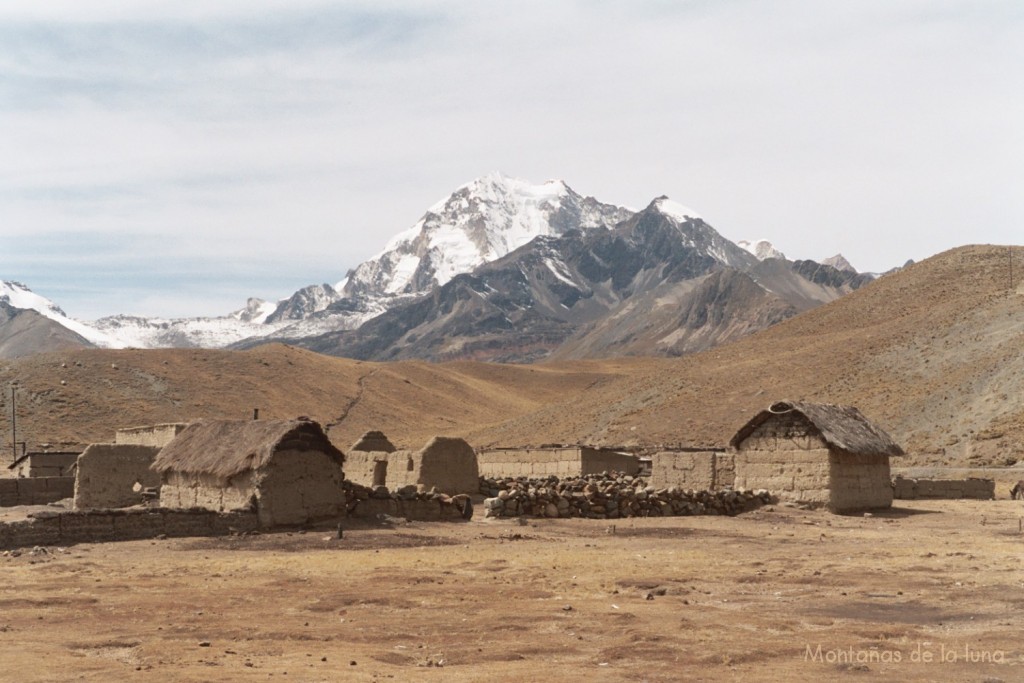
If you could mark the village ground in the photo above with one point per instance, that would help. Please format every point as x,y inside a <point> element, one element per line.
<point>931,590</point>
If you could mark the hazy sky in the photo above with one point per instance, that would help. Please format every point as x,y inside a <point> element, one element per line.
<point>176,157</point>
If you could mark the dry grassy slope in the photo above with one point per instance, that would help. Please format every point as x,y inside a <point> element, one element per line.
<point>411,401</point>
<point>932,353</point>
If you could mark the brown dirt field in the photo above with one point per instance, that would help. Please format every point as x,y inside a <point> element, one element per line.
<point>887,597</point>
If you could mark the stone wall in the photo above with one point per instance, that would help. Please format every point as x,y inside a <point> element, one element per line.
<point>113,475</point>
<point>363,502</point>
<point>975,488</point>
<point>701,470</point>
<point>92,526</point>
<point>608,497</point>
<point>35,490</point>
<point>152,435</point>
<point>569,461</point>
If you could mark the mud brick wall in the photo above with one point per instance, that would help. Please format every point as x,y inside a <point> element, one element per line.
<point>447,464</point>
<point>154,435</point>
<point>108,474</point>
<point>35,490</point>
<point>699,470</point>
<point>557,462</point>
<point>93,526</point>
<point>974,488</point>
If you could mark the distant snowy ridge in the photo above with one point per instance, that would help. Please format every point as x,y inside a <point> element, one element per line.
<point>480,222</point>
<point>762,249</point>
<point>18,295</point>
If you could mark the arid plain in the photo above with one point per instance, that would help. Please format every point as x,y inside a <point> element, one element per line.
<point>927,591</point>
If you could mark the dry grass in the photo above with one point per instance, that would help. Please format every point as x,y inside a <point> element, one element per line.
<point>731,599</point>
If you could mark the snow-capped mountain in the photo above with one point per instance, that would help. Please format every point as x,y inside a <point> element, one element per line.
<point>478,223</point>
<point>481,223</point>
<point>762,249</point>
<point>660,282</point>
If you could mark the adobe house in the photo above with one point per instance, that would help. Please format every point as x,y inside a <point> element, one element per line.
<point>559,461</point>
<point>816,453</point>
<point>367,460</point>
<point>445,463</point>
<point>44,464</point>
<point>286,470</point>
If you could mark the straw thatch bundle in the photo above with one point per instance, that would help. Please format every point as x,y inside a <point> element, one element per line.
<point>842,427</point>
<point>226,448</point>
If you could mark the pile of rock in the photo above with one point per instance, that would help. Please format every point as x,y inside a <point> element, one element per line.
<point>608,495</point>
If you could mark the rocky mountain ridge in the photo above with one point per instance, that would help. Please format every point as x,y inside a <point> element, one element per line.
<point>479,224</point>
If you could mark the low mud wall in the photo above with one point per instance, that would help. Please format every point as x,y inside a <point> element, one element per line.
<point>910,489</point>
<point>95,526</point>
<point>35,490</point>
<point>605,497</point>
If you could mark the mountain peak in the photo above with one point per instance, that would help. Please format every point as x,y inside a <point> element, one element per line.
<point>479,222</point>
<point>674,210</point>
<point>762,249</point>
<point>839,262</point>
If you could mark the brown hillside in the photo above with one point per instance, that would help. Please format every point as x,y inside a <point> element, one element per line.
<point>932,353</point>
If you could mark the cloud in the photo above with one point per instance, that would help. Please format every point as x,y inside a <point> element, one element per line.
<point>282,145</point>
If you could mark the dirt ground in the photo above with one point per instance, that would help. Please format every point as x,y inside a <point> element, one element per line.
<point>931,590</point>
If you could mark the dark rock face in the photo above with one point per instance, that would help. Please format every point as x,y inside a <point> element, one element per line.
<point>651,285</point>
<point>24,332</point>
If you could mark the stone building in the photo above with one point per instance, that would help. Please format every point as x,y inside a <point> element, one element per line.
<point>287,470</point>
<point>558,461</point>
<point>815,453</point>
<point>445,463</point>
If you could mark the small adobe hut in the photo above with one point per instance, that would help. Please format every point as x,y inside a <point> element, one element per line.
<point>367,461</point>
<point>816,453</point>
<point>287,470</point>
<point>445,463</point>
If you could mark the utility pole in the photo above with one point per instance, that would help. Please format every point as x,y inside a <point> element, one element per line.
<point>14,422</point>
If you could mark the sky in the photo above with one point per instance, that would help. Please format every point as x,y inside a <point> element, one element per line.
<point>173,158</point>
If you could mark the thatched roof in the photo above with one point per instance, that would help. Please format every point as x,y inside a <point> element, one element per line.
<point>225,448</point>
<point>373,441</point>
<point>842,427</point>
